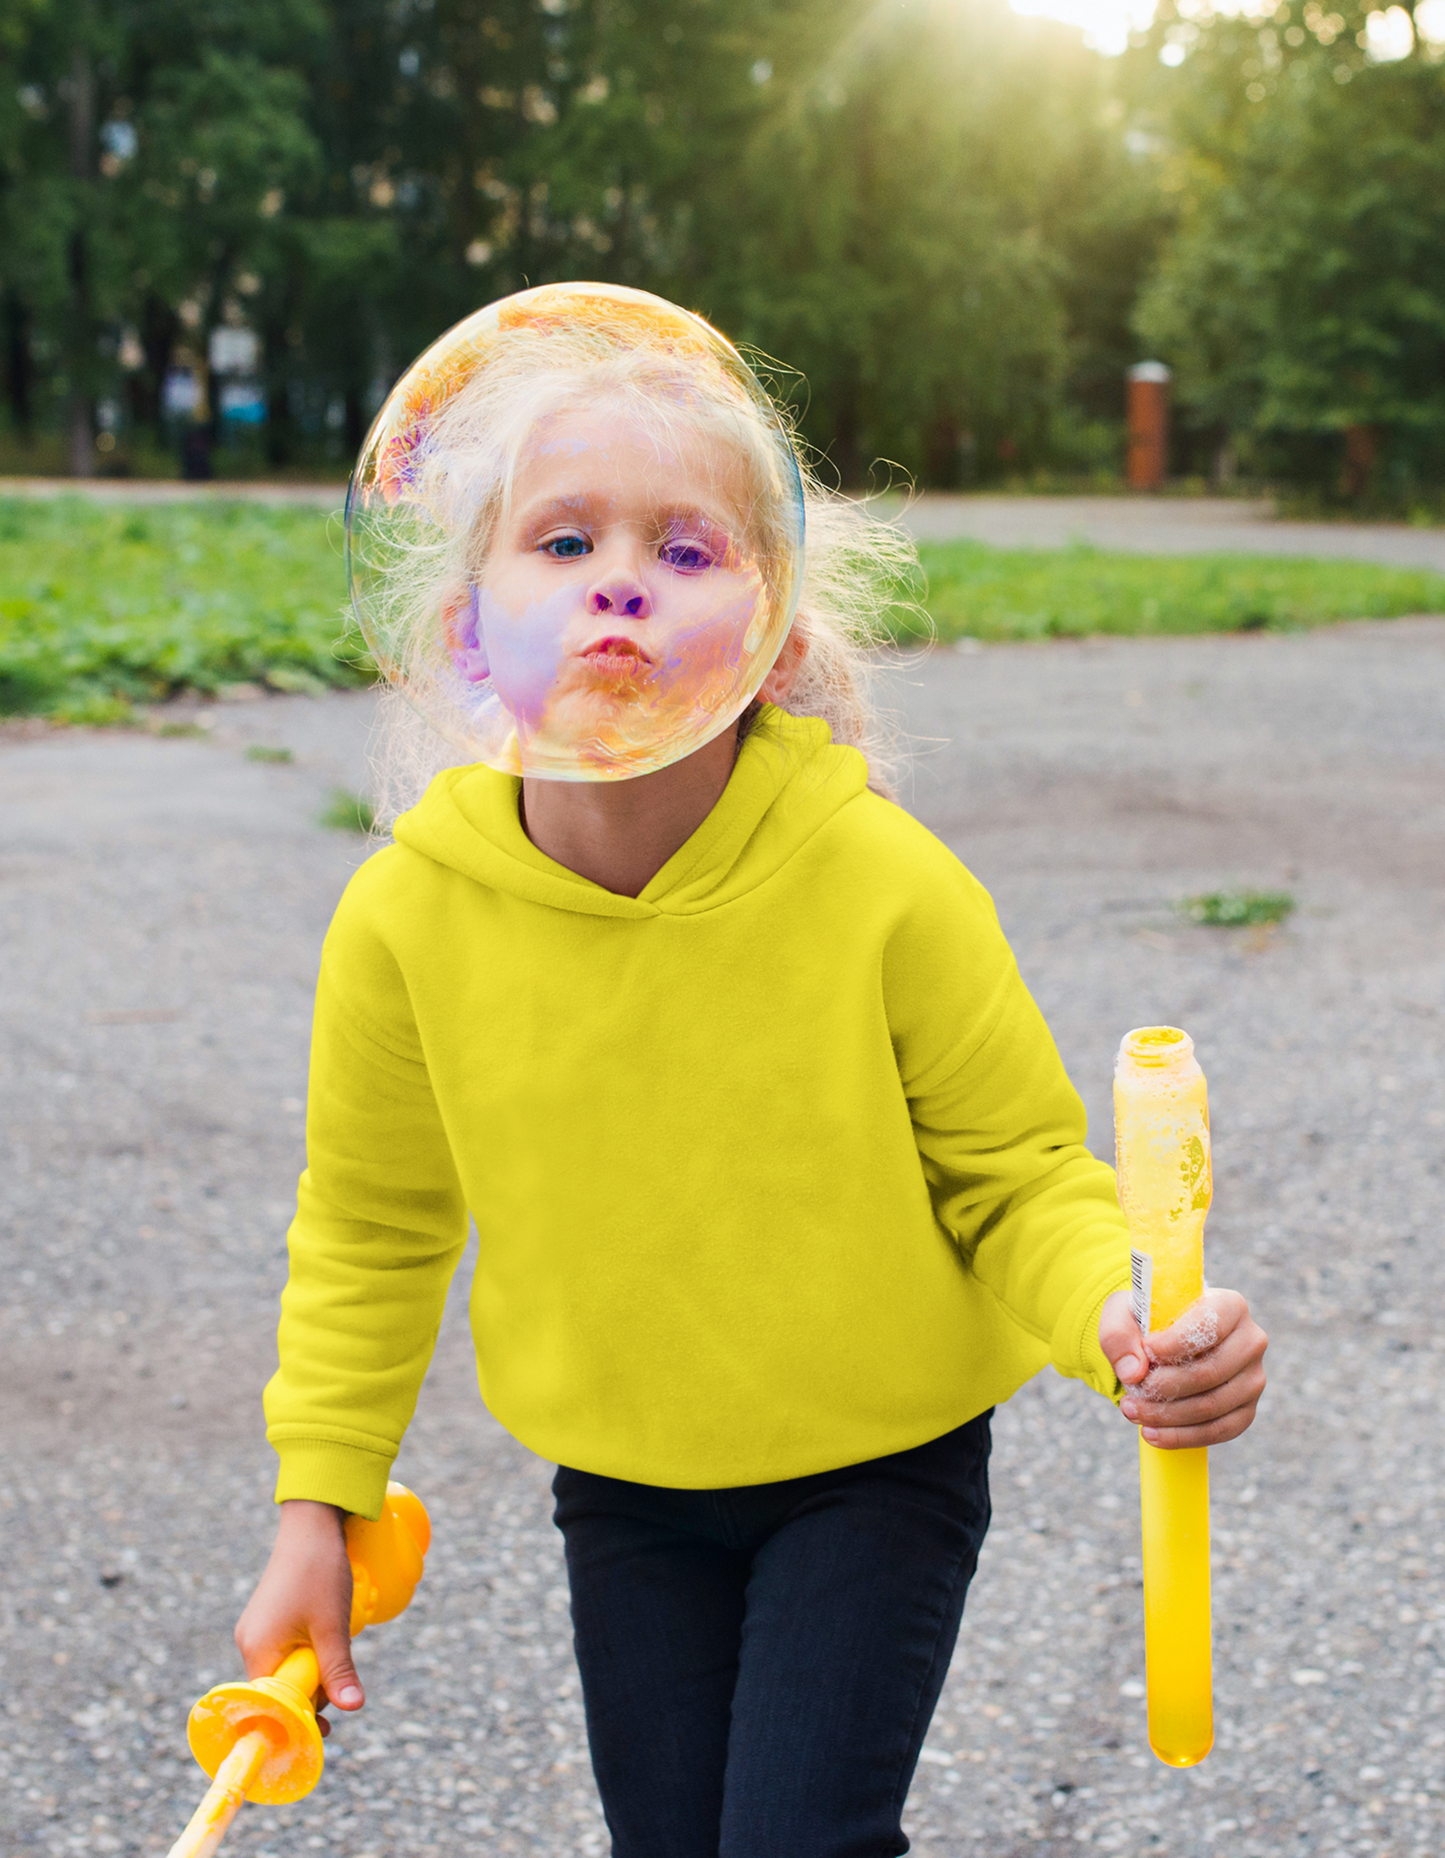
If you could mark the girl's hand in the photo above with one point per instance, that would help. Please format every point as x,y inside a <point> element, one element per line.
<point>1195,1383</point>
<point>304,1597</point>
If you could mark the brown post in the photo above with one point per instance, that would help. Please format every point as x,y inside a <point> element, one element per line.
<point>1362,448</point>
<point>1148,425</point>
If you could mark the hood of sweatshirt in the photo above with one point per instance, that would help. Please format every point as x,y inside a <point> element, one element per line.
<point>789,780</point>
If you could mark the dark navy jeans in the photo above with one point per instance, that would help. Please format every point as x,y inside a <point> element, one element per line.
<point>760,1665</point>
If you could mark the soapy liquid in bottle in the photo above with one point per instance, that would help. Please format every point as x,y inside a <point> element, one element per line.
<point>1161,1122</point>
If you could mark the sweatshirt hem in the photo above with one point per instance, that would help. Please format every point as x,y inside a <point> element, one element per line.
<point>705,1468</point>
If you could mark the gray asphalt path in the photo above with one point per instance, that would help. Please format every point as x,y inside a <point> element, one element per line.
<point>1140,525</point>
<point>163,902</point>
<point>1166,526</point>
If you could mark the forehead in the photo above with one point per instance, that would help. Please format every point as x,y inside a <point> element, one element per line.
<point>612,456</point>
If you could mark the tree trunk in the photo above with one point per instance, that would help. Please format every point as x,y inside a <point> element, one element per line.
<point>276,365</point>
<point>159,327</point>
<point>82,434</point>
<point>82,335</point>
<point>18,371</point>
<point>280,426</point>
<point>355,420</point>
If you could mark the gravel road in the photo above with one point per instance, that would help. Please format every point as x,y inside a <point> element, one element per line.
<point>163,903</point>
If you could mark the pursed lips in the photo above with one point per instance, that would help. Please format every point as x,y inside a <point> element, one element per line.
<point>616,652</point>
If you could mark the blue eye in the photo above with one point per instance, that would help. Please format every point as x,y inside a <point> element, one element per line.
<point>567,547</point>
<point>689,556</point>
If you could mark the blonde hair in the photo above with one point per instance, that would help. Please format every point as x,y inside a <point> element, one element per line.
<point>459,491</point>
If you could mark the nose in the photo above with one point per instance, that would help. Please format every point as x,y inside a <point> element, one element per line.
<point>621,593</point>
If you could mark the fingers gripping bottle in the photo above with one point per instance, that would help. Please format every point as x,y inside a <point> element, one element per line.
<point>1161,1126</point>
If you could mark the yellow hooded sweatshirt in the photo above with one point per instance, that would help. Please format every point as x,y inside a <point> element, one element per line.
<point>775,1167</point>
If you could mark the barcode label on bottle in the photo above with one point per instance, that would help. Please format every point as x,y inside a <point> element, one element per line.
<point>1142,1292</point>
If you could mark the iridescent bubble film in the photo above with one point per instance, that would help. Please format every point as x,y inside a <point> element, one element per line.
<point>575,534</point>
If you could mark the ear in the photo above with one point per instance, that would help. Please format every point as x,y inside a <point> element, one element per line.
<point>784,674</point>
<point>461,624</point>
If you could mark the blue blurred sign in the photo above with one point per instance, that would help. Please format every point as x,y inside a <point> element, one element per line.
<point>244,403</point>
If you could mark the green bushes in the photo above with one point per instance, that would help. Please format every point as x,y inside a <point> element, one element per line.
<point>992,593</point>
<point>103,606</point>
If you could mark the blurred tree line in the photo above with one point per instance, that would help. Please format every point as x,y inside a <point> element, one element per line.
<point>953,227</point>
<point>1300,293</point>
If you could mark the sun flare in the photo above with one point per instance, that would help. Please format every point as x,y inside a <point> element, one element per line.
<point>1106,24</point>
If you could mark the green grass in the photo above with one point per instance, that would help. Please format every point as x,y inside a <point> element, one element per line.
<point>105,606</point>
<point>102,606</point>
<point>995,593</point>
<point>258,752</point>
<point>347,812</point>
<point>1238,909</point>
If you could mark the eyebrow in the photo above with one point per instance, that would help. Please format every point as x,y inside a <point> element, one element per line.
<point>695,512</point>
<point>585,507</point>
<point>555,509</point>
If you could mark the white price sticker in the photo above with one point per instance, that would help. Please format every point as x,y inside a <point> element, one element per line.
<point>1142,1289</point>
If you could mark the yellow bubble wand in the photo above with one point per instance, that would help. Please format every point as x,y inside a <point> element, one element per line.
<point>259,1741</point>
<point>1161,1128</point>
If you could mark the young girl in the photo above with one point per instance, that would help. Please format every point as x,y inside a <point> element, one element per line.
<point>779,1182</point>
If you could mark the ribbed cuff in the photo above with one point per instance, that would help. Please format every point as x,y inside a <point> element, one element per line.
<point>325,1472</point>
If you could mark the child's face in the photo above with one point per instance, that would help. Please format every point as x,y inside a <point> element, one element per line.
<point>619,606</point>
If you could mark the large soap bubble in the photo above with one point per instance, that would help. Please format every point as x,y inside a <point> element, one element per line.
<point>575,534</point>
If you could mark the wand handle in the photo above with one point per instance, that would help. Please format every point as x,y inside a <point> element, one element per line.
<point>300,1670</point>
<point>1174,1501</point>
<point>223,1798</point>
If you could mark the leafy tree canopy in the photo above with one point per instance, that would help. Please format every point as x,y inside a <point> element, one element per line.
<point>952,228</point>
<point>1302,293</point>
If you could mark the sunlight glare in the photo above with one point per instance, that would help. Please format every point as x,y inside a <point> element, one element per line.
<point>1430,21</point>
<point>1106,24</point>
<point>1389,36</point>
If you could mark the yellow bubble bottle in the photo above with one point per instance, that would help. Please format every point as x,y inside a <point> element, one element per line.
<point>1161,1129</point>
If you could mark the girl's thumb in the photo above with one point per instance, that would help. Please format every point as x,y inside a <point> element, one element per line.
<point>338,1675</point>
<point>1121,1340</point>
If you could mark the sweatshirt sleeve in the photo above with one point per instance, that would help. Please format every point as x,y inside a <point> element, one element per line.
<point>380,1226</point>
<point>1000,1129</point>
